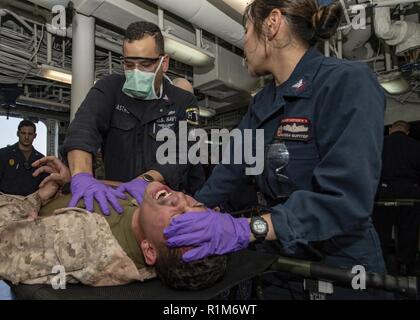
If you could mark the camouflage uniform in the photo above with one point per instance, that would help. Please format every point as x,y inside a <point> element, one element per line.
<point>79,241</point>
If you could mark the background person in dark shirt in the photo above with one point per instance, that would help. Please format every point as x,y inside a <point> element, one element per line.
<point>15,163</point>
<point>399,180</point>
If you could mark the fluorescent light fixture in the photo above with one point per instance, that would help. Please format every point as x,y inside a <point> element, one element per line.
<point>186,52</point>
<point>394,83</point>
<point>53,73</point>
<point>206,112</point>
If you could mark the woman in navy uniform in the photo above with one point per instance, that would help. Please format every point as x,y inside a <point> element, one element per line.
<point>323,130</point>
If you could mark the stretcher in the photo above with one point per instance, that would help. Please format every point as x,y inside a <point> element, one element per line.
<point>246,266</point>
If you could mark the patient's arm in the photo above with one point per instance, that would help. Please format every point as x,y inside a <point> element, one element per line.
<point>15,208</point>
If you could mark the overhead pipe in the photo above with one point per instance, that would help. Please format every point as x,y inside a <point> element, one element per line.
<point>198,37</point>
<point>4,12</point>
<point>42,104</point>
<point>161,18</point>
<point>101,43</point>
<point>391,3</point>
<point>388,58</point>
<point>356,44</point>
<point>83,64</point>
<point>49,48</point>
<point>33,10</point>
<point>204,15</point>
<point>385,28</point>
<point>339,44</point>
<point>327,52</point>
<point>177,48</point>
<point>402,34</point>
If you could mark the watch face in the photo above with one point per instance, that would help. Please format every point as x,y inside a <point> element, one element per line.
<point>260,227</point>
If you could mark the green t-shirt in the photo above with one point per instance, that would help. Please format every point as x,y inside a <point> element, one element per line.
<point>120,224</point>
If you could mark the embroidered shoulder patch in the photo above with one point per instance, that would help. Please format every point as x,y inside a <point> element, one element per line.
<point>193,116</point>
<point>294,129</point>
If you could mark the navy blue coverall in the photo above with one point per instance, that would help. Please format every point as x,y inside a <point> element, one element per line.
<point>330,115</point>
<point>126,128</point>
<point>16,171</point>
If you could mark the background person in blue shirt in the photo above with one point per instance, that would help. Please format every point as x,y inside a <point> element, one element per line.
<point>327,115</point>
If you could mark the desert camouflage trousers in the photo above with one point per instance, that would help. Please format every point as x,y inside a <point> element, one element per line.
<point>74,239</point>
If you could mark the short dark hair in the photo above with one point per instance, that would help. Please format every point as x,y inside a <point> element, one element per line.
<point>138,30</point>
<point>26,123</point>
<point>195,275</point>
<point>401,124</point>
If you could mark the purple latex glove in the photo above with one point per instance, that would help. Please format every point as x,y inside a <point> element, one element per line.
<point>135,188</point>
<point>84,185</point>
<point>210,232</point>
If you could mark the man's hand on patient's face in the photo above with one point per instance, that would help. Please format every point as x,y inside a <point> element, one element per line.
<point>59,173</point>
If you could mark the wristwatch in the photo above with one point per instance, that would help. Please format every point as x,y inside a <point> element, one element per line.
<point>259,228</point>
<point>147,177</point>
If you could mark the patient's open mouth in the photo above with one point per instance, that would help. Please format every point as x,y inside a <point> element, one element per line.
<point>162,194</point>
<point>160,191</point>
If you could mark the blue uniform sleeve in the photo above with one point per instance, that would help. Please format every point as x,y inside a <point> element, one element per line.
<point>225,178</point>
<point>349,132</point>
<point>93,118</point>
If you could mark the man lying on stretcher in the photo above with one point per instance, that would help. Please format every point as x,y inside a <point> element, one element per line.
<point>38,232</point>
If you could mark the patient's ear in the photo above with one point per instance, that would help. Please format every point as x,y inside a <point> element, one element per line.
<point>149,252</point>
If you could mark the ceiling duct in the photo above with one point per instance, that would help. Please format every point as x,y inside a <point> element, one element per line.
<point>205,16</point>
<point>228,78</point>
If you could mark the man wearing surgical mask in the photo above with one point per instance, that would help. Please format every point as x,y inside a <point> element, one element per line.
<point>122,115</point>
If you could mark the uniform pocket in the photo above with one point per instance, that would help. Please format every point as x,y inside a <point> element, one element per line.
<point>123,122</point>
<point>303,151</point>
<point>71,239</point>
<point>303,158</point>
<point>121,147</point>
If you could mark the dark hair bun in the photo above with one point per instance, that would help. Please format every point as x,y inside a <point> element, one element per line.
<point>327,20</point>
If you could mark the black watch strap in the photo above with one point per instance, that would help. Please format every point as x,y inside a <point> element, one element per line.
<point>259,228</point>
<point>147,177</point>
